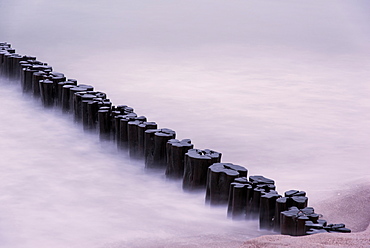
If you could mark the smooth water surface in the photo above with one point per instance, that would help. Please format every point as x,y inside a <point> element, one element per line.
<point>279,87</point>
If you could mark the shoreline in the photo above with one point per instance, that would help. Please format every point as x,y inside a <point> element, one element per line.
<point>335,210</point>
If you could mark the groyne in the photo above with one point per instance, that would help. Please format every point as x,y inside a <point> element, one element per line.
<point>246,197</point>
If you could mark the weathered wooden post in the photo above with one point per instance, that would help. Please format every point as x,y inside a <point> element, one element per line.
<point>104,123</point>
<point>85,114</point>
<point>196,168</point>
<point>27,79</point>
<point>133,137</point>
<point>260,186</point>
<point>115,112</point>
<point>149,146</point>
<point>176,151</point>
<point>267,210</point>
<point>66,103</point>
<point>142,127</point>
<point>92,114</point>
<point>47,92</point>
<point>117,123</point>
<point>56,77</point>
<point>60,85</point>
<point>2,58</point>
<point>72,91</point>
<point>6,68</point>
<point>291,198</point>
<point>36,78</point>
<point>79,98</point>
<point>288,221</point>
<point>123,140</point>
<point>239,195</point>
<point>155,147</point>
<point>14,65</point>
<point>30,73</point>
<point>281,206</point>
<point>298,222</point>
<point>337,228</point>
<point>219,178</point>
<point>23,65</point>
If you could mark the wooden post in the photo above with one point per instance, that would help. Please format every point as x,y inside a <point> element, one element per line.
<point>79,98</point>
<point>86,110</point>
<point>238,199</point>
<point>142,127</point>
<point>299,201</point>
<point>60,86</point>
<point>149,147</point>
<point>14,66</point>
<point>260,186</point>
<point>72,91</point>
<point>196,168</point>
<point>123,144</point>
<point>92,114</point>
<point>133,137</point>
<point>267,210</point>
<point>301,225</point>
<point>281,206</point>
<point>36,78</point>
<point>159,153</point>
<point>27,80</point>
<point>117,120</point>
<point>219,178</point>
<point>66,91</point>
<point>56,77</point>
<point>47,92</point>
<point>115,113</point>
<point>288,223</point>
<point>176,150</point>
<point>104,123</point>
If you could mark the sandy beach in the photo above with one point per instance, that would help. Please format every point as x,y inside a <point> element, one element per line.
<point>349,207</point>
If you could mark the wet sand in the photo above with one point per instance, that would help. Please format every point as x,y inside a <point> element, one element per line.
<point>350,207</point>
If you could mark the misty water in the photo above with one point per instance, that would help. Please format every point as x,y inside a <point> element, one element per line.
<point>280,87</point>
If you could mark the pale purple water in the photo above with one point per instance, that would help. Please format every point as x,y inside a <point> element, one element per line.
<point>279,87</point>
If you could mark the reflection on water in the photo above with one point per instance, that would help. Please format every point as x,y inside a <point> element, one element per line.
<point>281,88</point>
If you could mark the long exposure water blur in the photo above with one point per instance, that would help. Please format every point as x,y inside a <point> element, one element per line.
<point>280,87</point>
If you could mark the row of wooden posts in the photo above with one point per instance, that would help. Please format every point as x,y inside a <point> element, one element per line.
<point>199,169</point>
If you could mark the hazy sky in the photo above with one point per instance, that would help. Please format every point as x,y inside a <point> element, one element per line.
<point>319,26</point>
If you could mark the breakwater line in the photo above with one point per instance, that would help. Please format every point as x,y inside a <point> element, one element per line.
<point>202,167</point>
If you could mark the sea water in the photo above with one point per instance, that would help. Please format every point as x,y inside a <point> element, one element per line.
<point>281,88</point>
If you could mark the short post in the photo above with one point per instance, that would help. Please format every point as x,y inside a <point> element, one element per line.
<point>281,206</point>
<point>123,140</point>
<point>176,151</point>
<point>66,91</point>
<point>37,77</point>
<point>288,220</point>
<point>133,138</point>
<point>196,167</point>
<point>47,92</point>
<point>92,114</point>
<point>237,201</point>
<point>27,80</point>
<point>219,178</point>
<point>142,127</point>
<point>260,186</point>
<point>156,157</point>
<point>267,210</point>
<point>149,146</point>
<point>104,123</point>
<point>60,86</point>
